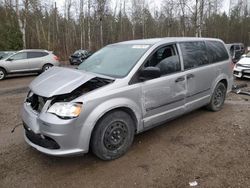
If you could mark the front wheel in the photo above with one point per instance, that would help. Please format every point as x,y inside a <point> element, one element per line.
<point>113,135</point>
<point>218,97</point>
<point>2,74</point>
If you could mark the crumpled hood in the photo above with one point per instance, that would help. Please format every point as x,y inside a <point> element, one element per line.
<point>58,81</point>
<point>245,61</point>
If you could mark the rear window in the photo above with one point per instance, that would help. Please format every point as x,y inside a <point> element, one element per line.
<point>36,54</point>
<point>216,51</point>
<point>194,54</point>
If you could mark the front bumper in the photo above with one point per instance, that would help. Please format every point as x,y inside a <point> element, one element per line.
<point>241,72</point>
<point>50,134</point>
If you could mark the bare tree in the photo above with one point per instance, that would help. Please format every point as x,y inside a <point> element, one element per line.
<point>89,25</point>
<point>81,19</point>
<point>22,19</point>
<point>100,10</point>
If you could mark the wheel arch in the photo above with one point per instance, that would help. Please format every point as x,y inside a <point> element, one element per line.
<point>47,64</point>
<point>224,79</point>
<point>225,82</point>
<point>102,110</point>
<point>3,69</point>
<point>126,109</point>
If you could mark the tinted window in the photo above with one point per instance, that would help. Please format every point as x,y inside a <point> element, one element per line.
<point>216,51</point>
<point>166,59</point>
<point>194,54</point>
<point>19,56</point>
<point>36,54</point>
<point>160,55</point>
<point>169,65</point>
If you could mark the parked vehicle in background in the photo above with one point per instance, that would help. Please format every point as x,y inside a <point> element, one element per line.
<point>79,56</point>
<point>247,52</point>
<point>242,67</point>
<point>236,51</point>
<point>121,90</point>
<point>26,61</point>
<point>5,54</point>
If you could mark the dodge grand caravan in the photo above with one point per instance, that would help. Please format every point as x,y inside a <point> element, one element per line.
<point>122,90</point>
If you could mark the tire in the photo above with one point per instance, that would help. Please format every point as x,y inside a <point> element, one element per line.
<point>218,97</point>
<point>46,67</point>
<point>113,135</point>
<point>2,74</point>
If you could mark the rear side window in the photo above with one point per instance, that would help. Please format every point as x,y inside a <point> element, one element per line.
<point>216,51</point>
<point>194,54</point>
<point>36,54</point>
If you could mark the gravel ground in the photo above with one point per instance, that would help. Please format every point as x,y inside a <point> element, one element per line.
<point>212,149</point>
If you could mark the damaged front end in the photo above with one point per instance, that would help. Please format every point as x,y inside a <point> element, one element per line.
<point>50,118</point>
<point>38,102</point>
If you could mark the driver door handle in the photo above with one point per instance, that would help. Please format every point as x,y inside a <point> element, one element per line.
<point>189,76</point>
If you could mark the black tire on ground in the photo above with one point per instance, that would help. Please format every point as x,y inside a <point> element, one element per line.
<point>218,97</point>
<point>113,135</point>
<point>2,73</point>
<point>46,67</point>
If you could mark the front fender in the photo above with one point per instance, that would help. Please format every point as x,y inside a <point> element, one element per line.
<point>100,110</point>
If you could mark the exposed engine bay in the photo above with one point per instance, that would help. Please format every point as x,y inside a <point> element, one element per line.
<point>37,102</point>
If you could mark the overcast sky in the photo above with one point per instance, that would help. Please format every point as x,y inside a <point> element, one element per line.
<point>225,4</point>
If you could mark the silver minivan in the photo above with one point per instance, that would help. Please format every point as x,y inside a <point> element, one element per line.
<point>122,90</point>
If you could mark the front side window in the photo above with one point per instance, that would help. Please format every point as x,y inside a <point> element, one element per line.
<point>166,59</point>
<point>19,56</point>
<point>194,54</point>
<point>216,51</point>
<point>114,60</point>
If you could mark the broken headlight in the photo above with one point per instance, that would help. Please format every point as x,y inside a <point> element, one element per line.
<point>66,110</point>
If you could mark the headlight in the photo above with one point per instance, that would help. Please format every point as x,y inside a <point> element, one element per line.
<point>66,109</point>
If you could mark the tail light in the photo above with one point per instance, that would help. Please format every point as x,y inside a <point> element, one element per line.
<point>56,58</point>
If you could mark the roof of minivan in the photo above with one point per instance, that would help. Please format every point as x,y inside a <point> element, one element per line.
<point>153,41</point>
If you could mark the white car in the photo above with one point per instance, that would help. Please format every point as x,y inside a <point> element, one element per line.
<point>242,68</point>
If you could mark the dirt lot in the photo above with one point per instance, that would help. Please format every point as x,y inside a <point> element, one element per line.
<point>210,148</point>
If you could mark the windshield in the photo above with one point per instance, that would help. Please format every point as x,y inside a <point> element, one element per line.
<point>5,55</point>
<point>115,60</point>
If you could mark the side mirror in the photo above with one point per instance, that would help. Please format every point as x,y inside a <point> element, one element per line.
<point>150,73</point>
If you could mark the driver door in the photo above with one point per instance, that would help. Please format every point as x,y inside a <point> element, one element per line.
<point>18,62</point>
<point>164,98</point>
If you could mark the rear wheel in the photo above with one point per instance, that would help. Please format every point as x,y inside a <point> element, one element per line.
<point>218,97</point>
<point>113,135</point>
<point>46,67</point>
<point>2,74</point>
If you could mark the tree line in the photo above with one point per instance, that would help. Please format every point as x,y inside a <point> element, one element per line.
<point>92,24</point>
